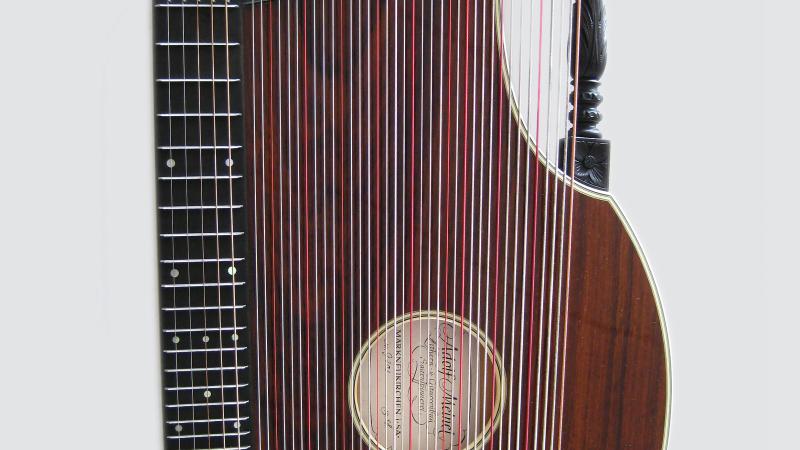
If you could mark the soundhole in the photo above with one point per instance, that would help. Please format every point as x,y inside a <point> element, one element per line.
<point>428,381</point>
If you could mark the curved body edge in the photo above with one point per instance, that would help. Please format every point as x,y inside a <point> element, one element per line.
<point>618,385</point>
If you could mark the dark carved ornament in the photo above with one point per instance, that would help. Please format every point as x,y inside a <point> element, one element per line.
<point>592,152</point>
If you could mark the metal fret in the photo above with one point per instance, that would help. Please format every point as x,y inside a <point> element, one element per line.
<point>197,44</point>
<point>199,114</point>
<point>205,388</point>
<point>201,177</point>
<point>206,350</point>
<point>195,330</point>
<point>204,308</point>
<point>203,405</point>
<point>205,369</point>
<point>198,261</point>
<point>227,419</point>
<point>192,285</point>
<point>198,80</point>
<point>199,147</point>
<point>195,5</point>
<point>185,235</point>
<point>173,208</point>
<point>194,436</point>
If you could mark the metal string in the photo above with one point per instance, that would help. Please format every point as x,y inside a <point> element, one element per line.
<point>352,207</point>
<point>472,216</point>
<point>492,73</point>
<point>255,215</point>
<point>342,264</point>
<point>202,222</point>
<point>514,300</point>
<point>173,269</point>
<point>487,12</point>
<point>576,78</point>
<point>535,158</point>
<point>283,276</point>
<point>527,155</point>
<point>316,235</point>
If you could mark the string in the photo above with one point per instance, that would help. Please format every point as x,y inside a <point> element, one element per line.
<point>275,271</point>
<point>341,133</point>
<point>333,223</point>
<point>202,222</point>
<point>397,351</point>
<point>186,196</point>
<point>173,270</point>
<point>255,219</point>
<point>386,114</point>
<point>411,269</point>
<point>360,203</point>
<point>293,145</point>
<point>527,152</point>
<point>489,207</point>
<point>535,161</point>
<point>255,215</point>
<point>472,219</point>
<point>316,235</point>
<point>487,11</point>
<point>430,226</point>
<point>514,301</point>
<point>510,127</point>
<point>558,296</point>
<point>576,78</point>
<point>218,283</point>
<point>463,219</point>
<point>280,217</point>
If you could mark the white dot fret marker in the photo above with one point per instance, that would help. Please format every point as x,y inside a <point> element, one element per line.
<point>236,425</point>
<point>207,394</point>
<point>229,162</point>
<point>235,337</point>
<point>178,428</point>
<point>231,270</point>
<point>174,273</point>
<point>176,339</point>
<point>206,339</point>
<point>170,163</point>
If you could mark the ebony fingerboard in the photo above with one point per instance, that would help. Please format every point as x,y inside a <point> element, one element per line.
<point>201,224</point>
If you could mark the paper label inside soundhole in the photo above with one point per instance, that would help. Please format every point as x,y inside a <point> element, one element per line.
<point>424,382</point>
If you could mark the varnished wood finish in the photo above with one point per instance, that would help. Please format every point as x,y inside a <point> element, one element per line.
<point>616,379</point>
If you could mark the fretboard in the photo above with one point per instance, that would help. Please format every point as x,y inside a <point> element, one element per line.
<point>201,224</point>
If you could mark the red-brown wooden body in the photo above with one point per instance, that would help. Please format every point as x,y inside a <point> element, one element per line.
<point>346,156</point>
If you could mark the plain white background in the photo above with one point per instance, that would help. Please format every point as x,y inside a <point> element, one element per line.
<point>701,108</point>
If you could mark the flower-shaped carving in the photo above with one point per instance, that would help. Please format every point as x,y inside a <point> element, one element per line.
<point>591,163</point>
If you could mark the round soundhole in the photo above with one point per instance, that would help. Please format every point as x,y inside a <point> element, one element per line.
<point>427,381</point>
